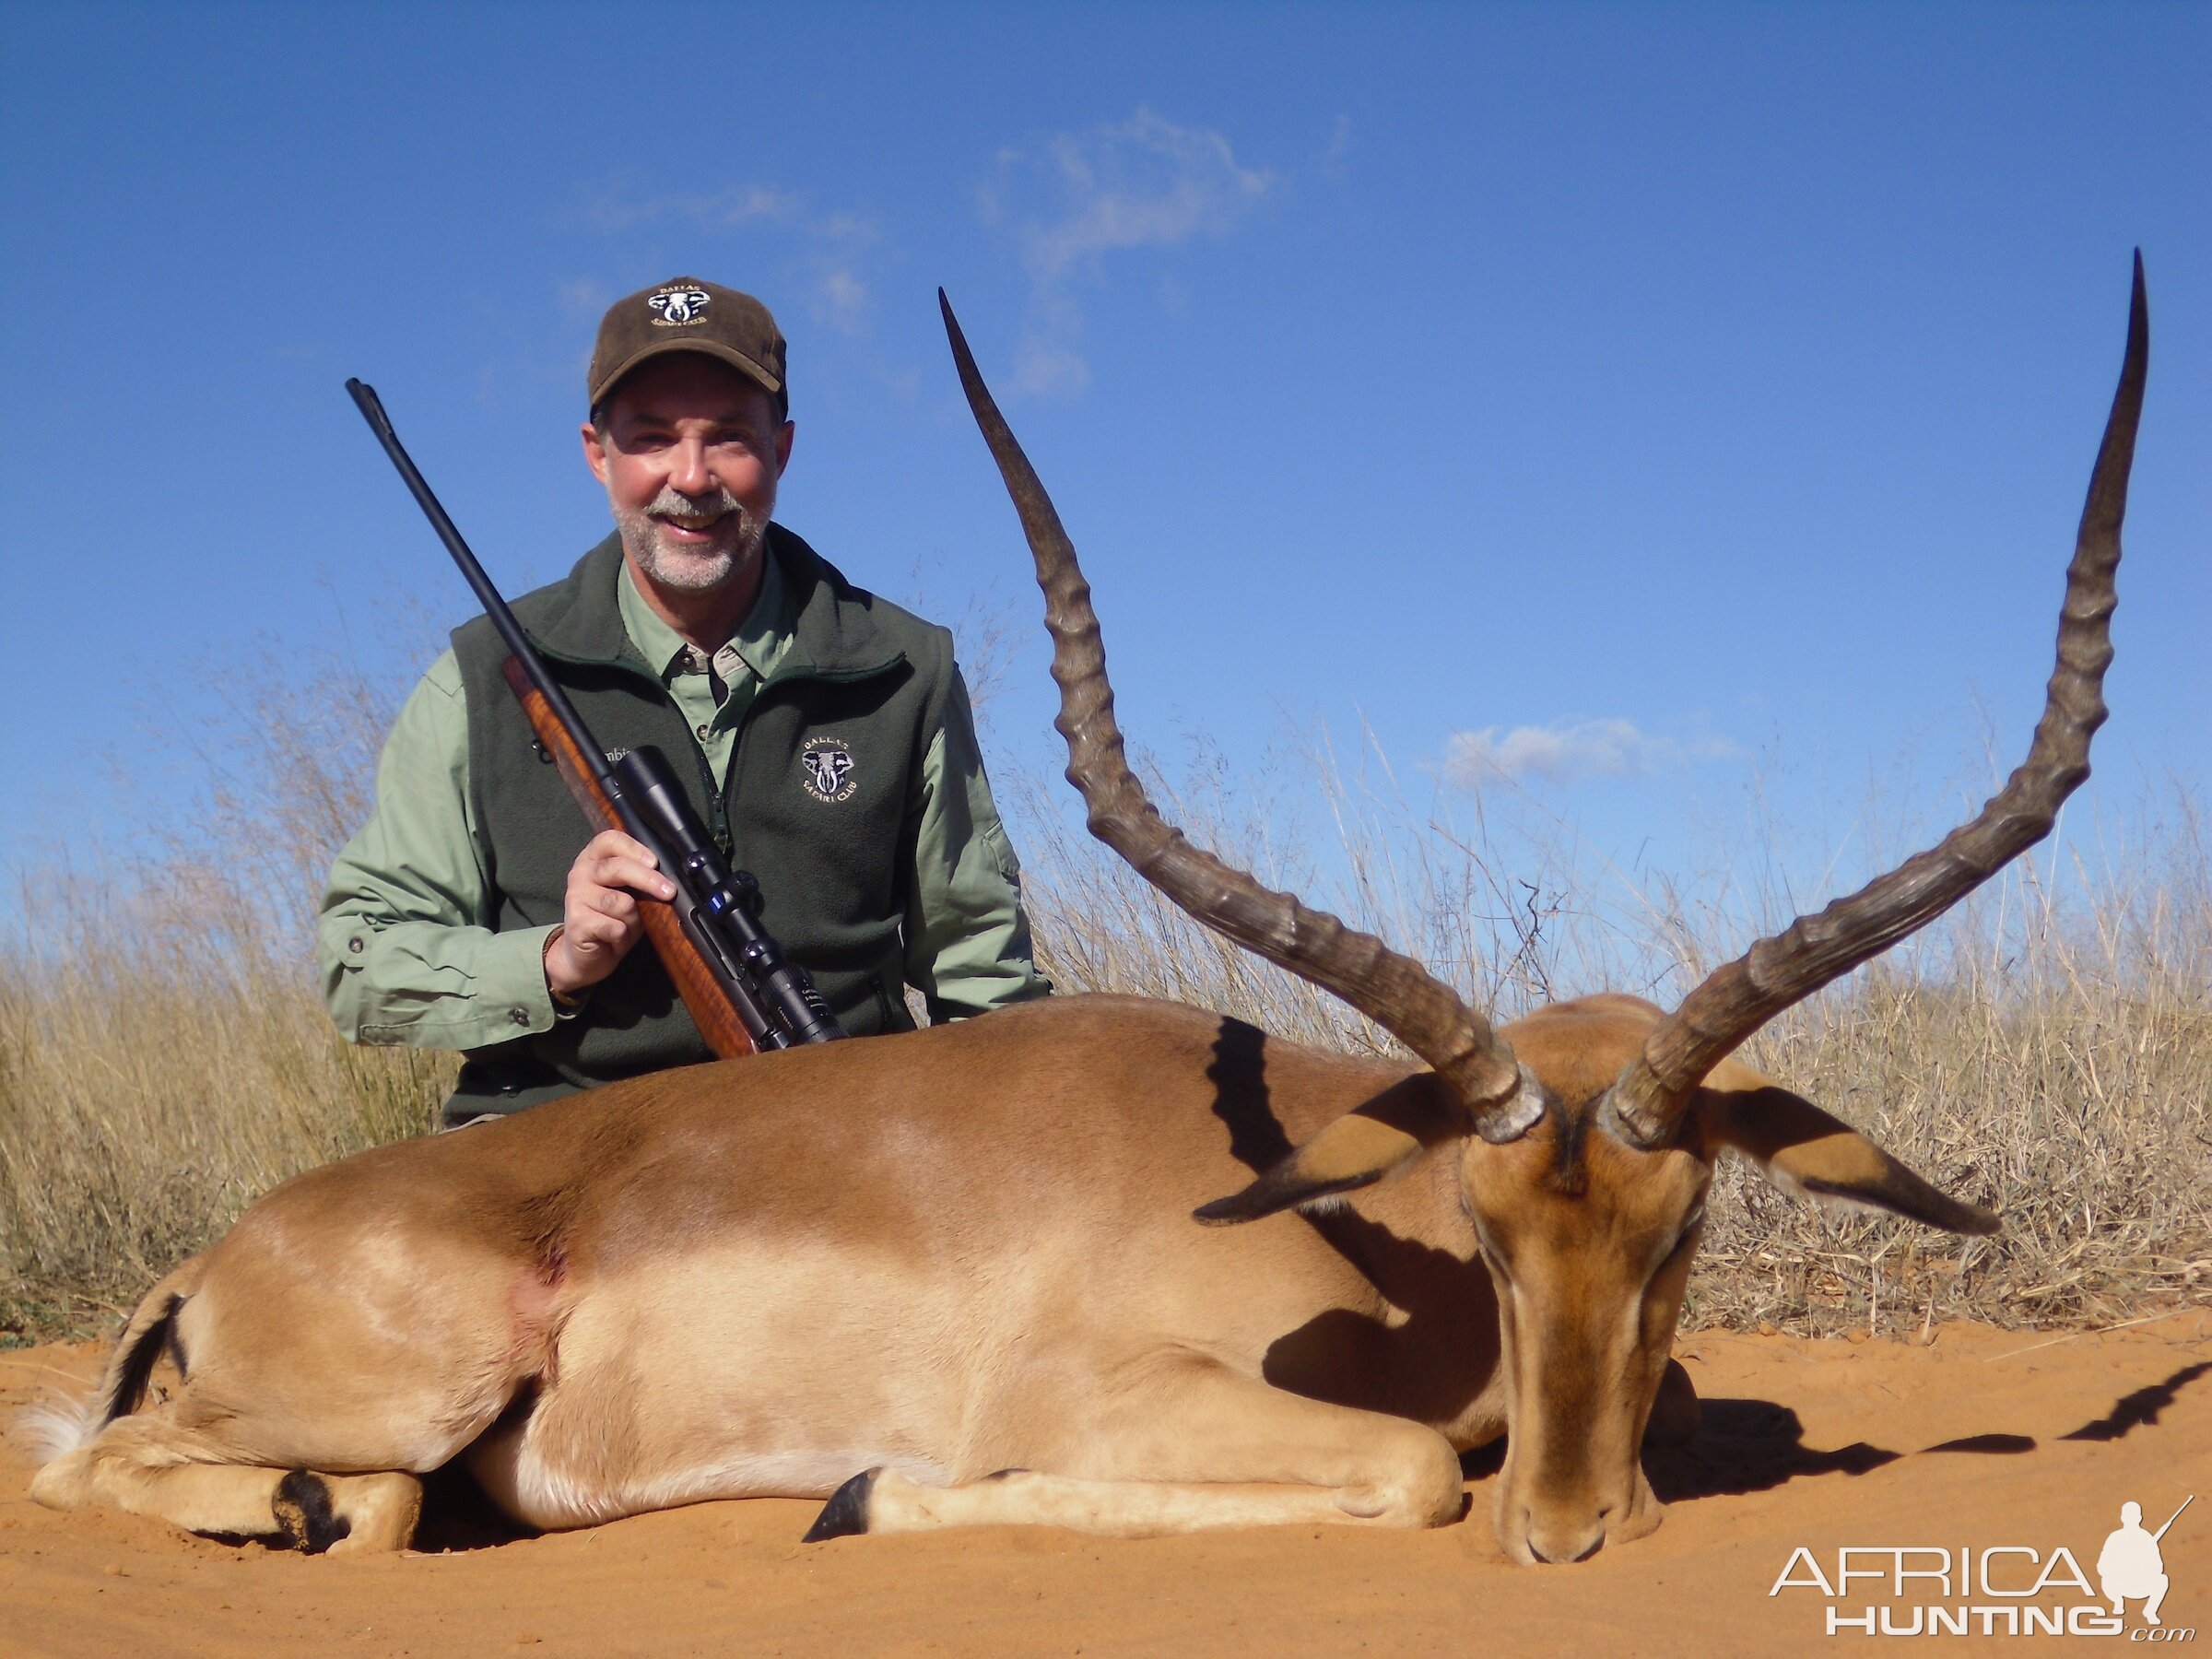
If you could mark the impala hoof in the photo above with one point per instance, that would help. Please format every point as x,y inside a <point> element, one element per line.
<point>305,1514</point>
<point>846,1514</point>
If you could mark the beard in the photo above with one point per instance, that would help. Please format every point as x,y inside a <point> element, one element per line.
<point>734,544</point>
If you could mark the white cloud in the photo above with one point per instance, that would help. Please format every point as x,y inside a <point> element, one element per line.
<point>826,255</point>
<point>1145,182</point>
<point>841,299</point>
<point>838,245</point>
<point>606,209</point>
<point>1333,158</point>
<point>1046,368</point>
<point>1570,752</point>
<point>585,298</point>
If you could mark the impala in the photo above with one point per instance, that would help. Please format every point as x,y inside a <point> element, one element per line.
<point>954,1276</point>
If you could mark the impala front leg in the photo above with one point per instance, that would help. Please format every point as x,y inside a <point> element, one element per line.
<point>1198,1447</point>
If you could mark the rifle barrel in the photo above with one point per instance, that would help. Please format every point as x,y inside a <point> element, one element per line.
<point>372,411</point>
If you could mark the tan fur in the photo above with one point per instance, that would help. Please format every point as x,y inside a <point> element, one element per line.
<point>762,1277</point>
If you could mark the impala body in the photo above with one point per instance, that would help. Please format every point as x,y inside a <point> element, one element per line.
<point>981,1258</point>
<point>960,1276</point>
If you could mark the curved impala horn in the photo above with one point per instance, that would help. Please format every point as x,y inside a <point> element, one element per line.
<point>1650,1097</point>
<point>1394,991</point>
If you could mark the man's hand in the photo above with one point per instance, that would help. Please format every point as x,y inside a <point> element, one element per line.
<point>599,919</point>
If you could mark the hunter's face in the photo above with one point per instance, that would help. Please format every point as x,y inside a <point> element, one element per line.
<point>690,455</point>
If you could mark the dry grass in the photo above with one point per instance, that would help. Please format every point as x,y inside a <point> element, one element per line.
<point>149,1089</point>
<point>164,1056</point>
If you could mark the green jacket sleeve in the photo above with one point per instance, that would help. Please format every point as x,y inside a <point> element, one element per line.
<point>966,938</point>
<point>407,956</point>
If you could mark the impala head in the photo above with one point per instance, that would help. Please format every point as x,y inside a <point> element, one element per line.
<point>1586,1134</point>
<point>1588,1237</point>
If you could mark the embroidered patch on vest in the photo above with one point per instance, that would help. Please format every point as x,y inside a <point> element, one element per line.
<point>674,307</point>
<point>828,768</point>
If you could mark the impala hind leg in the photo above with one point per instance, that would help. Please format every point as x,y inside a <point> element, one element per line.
<point>1195,1449</point>
<point>151,1466</point>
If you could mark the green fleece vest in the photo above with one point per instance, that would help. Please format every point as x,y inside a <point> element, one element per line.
<point>864,684</point>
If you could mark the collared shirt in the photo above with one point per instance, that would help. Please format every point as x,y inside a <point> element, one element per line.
<point>408,951</point>
<point>714,690</point>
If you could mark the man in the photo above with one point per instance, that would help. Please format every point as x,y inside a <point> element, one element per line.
<point>823,735</point>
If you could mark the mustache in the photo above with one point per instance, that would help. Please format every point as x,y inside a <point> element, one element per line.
<point>674,502</point>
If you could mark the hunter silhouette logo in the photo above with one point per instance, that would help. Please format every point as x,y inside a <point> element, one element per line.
<point>2130,1565</point>
<point>677,306</point>
<point>828,770</point>
<point>2000,1589</point>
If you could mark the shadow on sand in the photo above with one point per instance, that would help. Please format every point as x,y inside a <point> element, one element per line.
<point>1753,1445</point>
<point>1748,1446</point>
<point>457,1515</point>
<point>2141,1408</point>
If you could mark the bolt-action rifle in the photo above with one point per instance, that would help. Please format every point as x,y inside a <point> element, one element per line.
<point>742,991</point>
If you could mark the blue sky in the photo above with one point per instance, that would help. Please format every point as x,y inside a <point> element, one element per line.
<point>1684,408</point>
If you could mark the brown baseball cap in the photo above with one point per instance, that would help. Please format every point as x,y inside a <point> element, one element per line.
<point>686,314</point>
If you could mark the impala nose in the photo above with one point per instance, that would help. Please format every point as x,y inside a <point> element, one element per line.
<point>1556,1543</point>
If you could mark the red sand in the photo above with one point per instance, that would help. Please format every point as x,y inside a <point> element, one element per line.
<point>1985,1438</point>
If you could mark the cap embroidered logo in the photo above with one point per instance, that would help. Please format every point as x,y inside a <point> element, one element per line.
<point>677,306</point>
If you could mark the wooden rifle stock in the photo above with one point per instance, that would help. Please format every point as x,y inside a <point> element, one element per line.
<point>695,981</point>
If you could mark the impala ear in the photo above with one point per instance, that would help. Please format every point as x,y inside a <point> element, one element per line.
<point>1371,1144</point>
<point>1804,1151</point>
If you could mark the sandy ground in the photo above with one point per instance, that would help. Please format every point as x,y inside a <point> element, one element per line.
<point>1981,1439</point>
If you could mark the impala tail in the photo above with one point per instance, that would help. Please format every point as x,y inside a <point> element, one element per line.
<point>58,1426</point>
